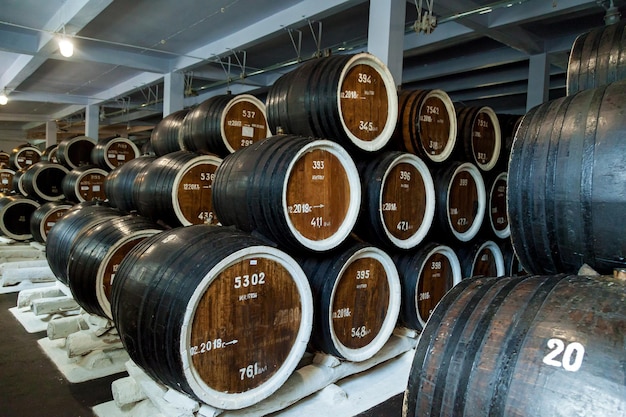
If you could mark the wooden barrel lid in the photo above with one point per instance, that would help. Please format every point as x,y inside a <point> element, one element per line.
<point>192,199</point>
<point>90,185</point>
<point>6,180</point>
<point>244,122</point>
<point>438,274</point>
<point>110,264</point>
<point>248,320</point>
<point>323,195</point>
<point>118,151</point>
<point>76,151</point>
<point>26,156</point>
<point>486,138</point>
<point>498,216</point>
<point>368,102</point>
<point>365,304</point>
<point>15,215</point>
<point>466,202</point>
<point>408,201</point>
<point>488,261</point>
<point>51,218</point>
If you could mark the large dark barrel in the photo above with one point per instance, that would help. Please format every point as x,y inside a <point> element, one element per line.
<point>42,181</point>
<point>76,151</point>
<point>108,154</point>
<point>303,193</point>
<point>165,137</point>
<point>427,125</point>
<point>15,212</point>
<point>223,124</point>
<point>598,57</point>
<point>121,186</point>
<point>461,200</point>
<point>50,154</point>
<point>533,346</point>
<point>567,183</point>
<point>24,156</point>
<point>213,312</point>
<point>426,275</point>
<point>45,217</point>
<point>85,183</point>
<point>398,200</point>
<point>356,296</point>
<point>77,220</point>
<point>176,188</point>
<point>349,98</point>
<point>95,256</point>
<point>479,136</point>
<point>6,180</point>
<point>481,258</point>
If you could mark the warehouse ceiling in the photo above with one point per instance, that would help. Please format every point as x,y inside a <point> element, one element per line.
<point>478,52</point>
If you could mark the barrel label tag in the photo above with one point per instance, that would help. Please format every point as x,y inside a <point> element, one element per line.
<point>572,355</point>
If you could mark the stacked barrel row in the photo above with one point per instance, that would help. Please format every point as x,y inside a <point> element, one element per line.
<point>41,185</point>
<point>556,337</point>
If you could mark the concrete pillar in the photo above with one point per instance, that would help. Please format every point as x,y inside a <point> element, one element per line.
<point>385,37</point>
<point>92,121</point>
<point>538,80</point>
<point>51,133</point>
<point>173,92</point>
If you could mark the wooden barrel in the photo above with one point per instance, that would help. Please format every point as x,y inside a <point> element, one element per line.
<point>5,160</point>
<point>85,183</point>
<point>427,125</point>
<point>496,221</point>
<point>42,181</point>
<point>165,137</point>
<point>111,153</point>
<point>302,193</point>
<point>176,188</point>
<point>50,154</point>
<point>356,299</point>
<point>45,217</point>
<point>461,200</point>
<point>76,220</point>
<point>18,182</point>
<point>598,57</point>
<point>523,346</point>
<point>76,151</point>
<point>15,212</point>
<point>481,258</point>
<point>349,98</point>
<point>121,186</point>
<point>223,124</point>
<point>426,275</point>
<point>213,312</point>
<point>6,180</point>
<point>398,200</point>
<point>95,256</point>
<point>24,156</point>
<point>567,184</point>
<point>479,136</point>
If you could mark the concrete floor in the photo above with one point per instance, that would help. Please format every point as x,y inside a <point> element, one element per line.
<point>31,386</point>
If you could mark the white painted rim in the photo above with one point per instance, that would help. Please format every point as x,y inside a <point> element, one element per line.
<point>103,301</point>
<point>447,101</point>
<point>355,196</point>
<point>237,99</point>
<point>497,256</point>
<point>36,187</point>
<point>498,139</point>
<point>10,204</point>
<point>429,210</point>
<point>389,324</point>
<point>42,225</point>
<point>198,160</point>
<point>392,97</point>
<point>482,202</point>
<point>506,232</point>
<point>457,275</point>
<point>82,175</point>
<point>240,400</point>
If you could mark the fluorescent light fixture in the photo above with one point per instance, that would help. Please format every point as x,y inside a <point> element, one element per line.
<point>66,47</point>
<point>3,98</point>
